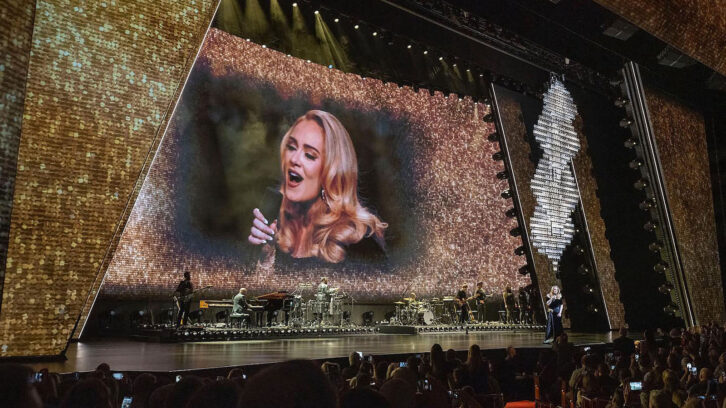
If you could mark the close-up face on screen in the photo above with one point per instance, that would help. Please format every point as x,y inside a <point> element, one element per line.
<point>275,172</point>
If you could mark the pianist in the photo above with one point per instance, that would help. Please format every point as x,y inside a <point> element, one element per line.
<point>240,305</point>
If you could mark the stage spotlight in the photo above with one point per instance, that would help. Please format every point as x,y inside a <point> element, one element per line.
<point>650,226</point>
<point>454,65</point>
<point>588,290</point>
<point>511,213</point>
<point>294,4</point>
<point>502,175</point>
<point>625,122</point>
<point>519,251</point>
<point>578,250</point>
<point>489,117</point>
<point>660,267</point>
<point>630,142</point>
<point>655,247</point>
<point>620,102</point>
<point>635,164</point>
<point>583,270</point>
<point>515,232</point>
<point>665,288</point>
<point>426,52</point>
<point>408,46</point>
<point>375,33</point>
<point>356,26</point>
<point>317,12</point>
<point>524,270</point>
<point>506,194</point>
<point>592,309</point>
<point>498,156</point>
<point>641,184</point>
<point>441,58</point>
<point>646,205</point>
<point>481,75</point>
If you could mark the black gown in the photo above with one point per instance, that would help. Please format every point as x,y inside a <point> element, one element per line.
<point>554,320</point>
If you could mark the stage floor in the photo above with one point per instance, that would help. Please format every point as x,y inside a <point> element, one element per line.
<point>127,355</point>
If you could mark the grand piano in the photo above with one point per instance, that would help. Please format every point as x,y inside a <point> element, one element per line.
<point>275,301</point>
<point>270,303</point>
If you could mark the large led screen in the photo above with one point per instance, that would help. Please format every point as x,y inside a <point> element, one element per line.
<point>385,190</point>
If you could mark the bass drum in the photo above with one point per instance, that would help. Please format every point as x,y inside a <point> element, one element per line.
<point>426,317</point>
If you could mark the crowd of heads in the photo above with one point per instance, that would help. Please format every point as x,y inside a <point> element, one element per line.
<point>435,379</point>
<point>664,370</point>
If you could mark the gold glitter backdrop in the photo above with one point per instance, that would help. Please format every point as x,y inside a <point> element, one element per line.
<point>452,228</point>
<point>15,35</point>
<point>698,28</point>
<point>101,77</point>
<point>680,133</point>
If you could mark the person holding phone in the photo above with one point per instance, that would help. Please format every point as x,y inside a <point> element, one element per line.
<point>321,217</point>
<point>554,314</point>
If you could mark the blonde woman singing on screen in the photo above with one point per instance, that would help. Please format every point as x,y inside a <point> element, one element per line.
<point>321,217</point>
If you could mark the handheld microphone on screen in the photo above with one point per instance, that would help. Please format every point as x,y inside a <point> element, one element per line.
<point>270,209</point>
<point>271,202</point>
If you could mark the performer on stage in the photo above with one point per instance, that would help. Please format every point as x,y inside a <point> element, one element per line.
<point>240,307</point>
<point>509,303</point>
<point>524,306</point>
<point>411,299</point>
<point>462,300</point>
<point>324,290</point>
<point>480,297</point>
<point>183,298</point>
<point>240,304</point>
<point>554,314</point>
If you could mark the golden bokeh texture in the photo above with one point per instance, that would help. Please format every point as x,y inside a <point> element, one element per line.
<point>596,228</point>
<point>696,27</point>
<point>15,35</point>
<point>680,133</point>
<point>101,79</point>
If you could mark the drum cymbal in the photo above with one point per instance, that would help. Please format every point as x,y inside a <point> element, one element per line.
<point>398,303</point>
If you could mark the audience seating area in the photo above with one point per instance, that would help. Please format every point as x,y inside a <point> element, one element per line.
<point>677,369</point>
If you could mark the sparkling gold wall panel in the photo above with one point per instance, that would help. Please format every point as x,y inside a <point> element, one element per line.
<point>680,134</point>
<point>100,81</point>
<point>596,227</point>
<point>16,32</point>
<point>696,27</point>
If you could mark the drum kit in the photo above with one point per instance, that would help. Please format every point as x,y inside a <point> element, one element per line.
<point>426,312</point>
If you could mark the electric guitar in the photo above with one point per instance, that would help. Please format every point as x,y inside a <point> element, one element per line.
<point>185,298</point>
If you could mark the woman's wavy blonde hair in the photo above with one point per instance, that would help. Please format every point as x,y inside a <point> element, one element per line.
<point>340,219</point>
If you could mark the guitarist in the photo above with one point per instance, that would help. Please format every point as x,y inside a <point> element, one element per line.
<point>480,296</point>
<point>462,300</point>
<point>183,295</point>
